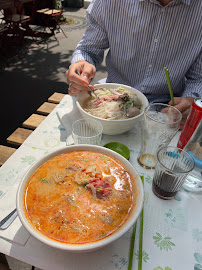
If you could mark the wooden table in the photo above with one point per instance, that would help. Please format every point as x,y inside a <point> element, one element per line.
<point>4,4</point>
<point>21,133</point>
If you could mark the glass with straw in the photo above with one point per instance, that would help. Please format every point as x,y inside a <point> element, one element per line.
<point>159,125</point>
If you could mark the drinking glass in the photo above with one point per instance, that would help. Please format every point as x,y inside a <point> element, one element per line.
<point>87,131</point>
<point>159,125</point>
<point>193,182</point>
<point>172,168</point>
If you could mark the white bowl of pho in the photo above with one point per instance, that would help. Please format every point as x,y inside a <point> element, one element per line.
<point>118,108</point>
<point>80,198</point>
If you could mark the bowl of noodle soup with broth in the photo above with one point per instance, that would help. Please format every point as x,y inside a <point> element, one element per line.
<point>80,198</point>
<point>118,108</point>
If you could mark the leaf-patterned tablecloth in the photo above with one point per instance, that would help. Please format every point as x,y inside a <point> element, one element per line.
<point>172,238</point>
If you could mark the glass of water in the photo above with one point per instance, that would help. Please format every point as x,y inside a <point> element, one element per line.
<point>87,131</point>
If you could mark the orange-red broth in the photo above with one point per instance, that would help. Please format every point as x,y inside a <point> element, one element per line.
<point>58,204</point>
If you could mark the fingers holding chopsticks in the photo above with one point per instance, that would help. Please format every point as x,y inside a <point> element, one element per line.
<point>79,83</point>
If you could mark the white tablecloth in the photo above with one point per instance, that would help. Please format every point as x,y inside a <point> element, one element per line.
<point>172,238</point>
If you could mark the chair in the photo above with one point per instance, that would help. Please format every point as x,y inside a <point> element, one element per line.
<point>3,43</point>
<point>7,46</point>
<point>19,23</point>
<point>50,18</point>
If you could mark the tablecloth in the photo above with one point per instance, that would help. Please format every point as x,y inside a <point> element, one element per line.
<point>172,234</point>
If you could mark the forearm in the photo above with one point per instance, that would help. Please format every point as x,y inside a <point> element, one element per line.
<point>193,84</point>
<point>95,40</point>
<point>94,57</point>
<point>81,55</point>
<point>193,89</point>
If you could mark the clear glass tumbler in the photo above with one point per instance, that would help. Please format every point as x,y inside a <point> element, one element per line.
<point>87,131</point>
<point>193,182</point>
<point>159,125</point>
<point>172,168</point>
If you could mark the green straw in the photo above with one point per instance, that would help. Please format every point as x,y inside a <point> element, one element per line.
<point>141,235</point>
<point>132,243</point>
<point>169,85</point>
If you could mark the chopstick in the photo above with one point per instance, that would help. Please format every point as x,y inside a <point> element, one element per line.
<point>140,240</point>
<point>132,244</point>
<point>169,85</point>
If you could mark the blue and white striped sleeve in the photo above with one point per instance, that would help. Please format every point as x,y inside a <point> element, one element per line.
<point>193,87</point>
<point>94,41</point>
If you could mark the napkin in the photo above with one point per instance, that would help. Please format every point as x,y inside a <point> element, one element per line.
<point>68,116</point>
<point>16,231</point>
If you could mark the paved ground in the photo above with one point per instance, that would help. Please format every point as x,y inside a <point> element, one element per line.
<point>28,82</point>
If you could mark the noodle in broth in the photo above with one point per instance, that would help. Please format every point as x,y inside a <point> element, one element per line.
<point>111,104</point>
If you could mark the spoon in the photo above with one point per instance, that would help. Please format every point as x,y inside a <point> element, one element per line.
<point>6,222</point>
<point>92,92</point>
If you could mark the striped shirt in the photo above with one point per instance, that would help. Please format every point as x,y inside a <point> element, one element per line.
<point>142,37</point>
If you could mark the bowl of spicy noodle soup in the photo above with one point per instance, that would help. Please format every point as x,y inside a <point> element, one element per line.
<point>80,198</point>
<point>109,109</point>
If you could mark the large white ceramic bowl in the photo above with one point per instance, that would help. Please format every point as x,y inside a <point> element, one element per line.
<point>113,127</point>
<point>88,246</point>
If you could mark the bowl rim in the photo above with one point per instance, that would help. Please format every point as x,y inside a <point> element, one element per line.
<point>87,246</point>
<point>118,120</point>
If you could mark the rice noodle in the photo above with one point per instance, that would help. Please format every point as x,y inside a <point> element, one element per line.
<point>111,104</point>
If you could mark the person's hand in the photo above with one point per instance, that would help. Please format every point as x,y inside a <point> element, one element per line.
<point>183,104</point>
<point>79,83</point>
